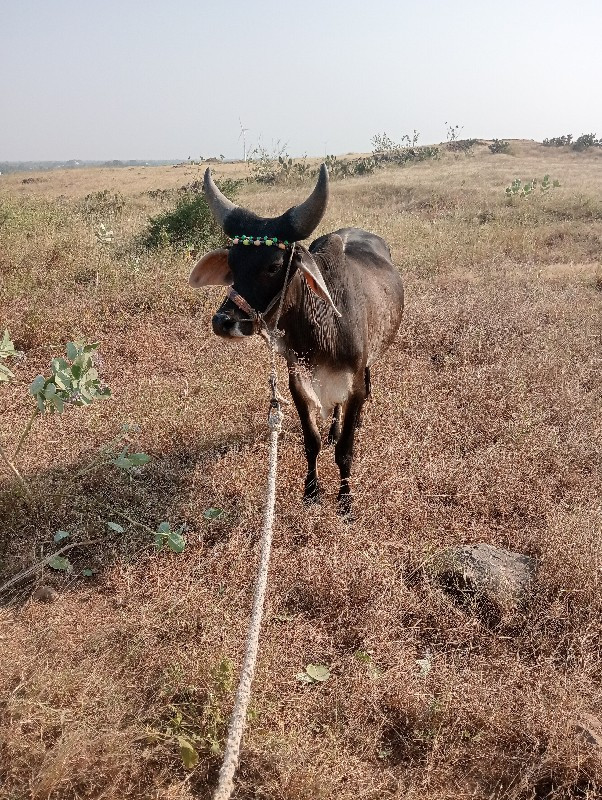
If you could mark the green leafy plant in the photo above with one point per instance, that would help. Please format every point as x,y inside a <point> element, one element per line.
<point>519,188</point>
<point>170,537</point>
<point>73,380</point>
<point>195,726</point>
<point>127,461</point>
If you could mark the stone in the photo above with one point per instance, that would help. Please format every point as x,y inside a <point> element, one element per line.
<point>45,594</point>
<point>487,579</point>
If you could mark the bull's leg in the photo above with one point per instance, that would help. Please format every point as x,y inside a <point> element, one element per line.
<point>335,429</point>
<point>343,453</point>
<point>311,436</point>
<point>368,385</point>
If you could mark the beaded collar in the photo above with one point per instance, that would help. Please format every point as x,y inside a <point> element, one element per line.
<point>268,241</point>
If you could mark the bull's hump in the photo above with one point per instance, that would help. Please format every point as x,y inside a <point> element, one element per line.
<point>357,243</point>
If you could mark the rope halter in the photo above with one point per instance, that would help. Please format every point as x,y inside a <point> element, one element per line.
<point>256,317</point>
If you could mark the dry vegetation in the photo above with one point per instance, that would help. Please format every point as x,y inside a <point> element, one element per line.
<point>485,426</point>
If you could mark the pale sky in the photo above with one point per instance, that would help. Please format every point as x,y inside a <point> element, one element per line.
<point>142,79</point>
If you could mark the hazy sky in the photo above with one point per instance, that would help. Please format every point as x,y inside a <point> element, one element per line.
<point>138,79</point>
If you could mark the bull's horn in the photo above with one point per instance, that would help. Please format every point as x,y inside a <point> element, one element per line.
<point>306,217</point>
<point>220,206</point>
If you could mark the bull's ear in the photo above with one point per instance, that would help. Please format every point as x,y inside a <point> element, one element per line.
<point>313,278</point>
<point>211,270</point>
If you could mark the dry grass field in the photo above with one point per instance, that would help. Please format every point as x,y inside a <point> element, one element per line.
<point>485,426</point>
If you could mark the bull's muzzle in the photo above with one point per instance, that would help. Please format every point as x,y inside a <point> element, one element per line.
<point>229,327</point>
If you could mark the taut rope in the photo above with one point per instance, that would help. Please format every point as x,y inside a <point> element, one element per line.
<point>236,727</point>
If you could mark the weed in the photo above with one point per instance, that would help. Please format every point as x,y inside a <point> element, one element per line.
<point>103,204</point>
<point>172,537</point>
<point>519,188</point>
<point>457,145</point>
<point>193,726</point>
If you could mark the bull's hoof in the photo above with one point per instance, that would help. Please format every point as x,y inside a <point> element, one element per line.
<point>312,493</point>
<point>345,507</point>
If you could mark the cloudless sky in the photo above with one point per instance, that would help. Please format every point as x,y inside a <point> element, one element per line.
<point>142,79</point>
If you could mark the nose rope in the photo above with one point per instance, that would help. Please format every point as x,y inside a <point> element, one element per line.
<point>238,718</point>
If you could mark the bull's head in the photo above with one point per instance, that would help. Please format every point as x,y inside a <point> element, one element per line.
<point>257,272</point>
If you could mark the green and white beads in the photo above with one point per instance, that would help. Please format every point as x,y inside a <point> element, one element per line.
<point>268,241</point>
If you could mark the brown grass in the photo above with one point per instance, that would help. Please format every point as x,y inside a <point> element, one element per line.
<point>485,426</point>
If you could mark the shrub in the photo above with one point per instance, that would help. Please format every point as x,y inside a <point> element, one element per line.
<point>558,141</point>
<point>499,146</point>
<point>103,204</point>
<point>190,224</point>
<point>582,142</point>
<point>586,140</point>
<point>461,145</point>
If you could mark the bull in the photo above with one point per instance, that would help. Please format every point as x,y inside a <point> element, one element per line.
<point>340,310</point>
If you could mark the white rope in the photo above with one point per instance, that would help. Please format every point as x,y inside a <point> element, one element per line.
<point>225,785</point>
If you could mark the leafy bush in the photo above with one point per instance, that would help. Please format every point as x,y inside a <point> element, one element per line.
<point>586,140</point>
<point>582,142</point>
<point>462,145</point>
<point>386,151</point>
<point>190,224</point>
<point>558,141</point>
<point>499,146</point>
<point>278,166</point>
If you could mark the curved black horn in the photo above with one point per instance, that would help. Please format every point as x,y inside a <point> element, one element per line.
<point>305,218</point>
<point>220,206</point>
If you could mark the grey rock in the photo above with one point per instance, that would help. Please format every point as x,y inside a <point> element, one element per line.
<point>45,594</point>
<point>491,581</point>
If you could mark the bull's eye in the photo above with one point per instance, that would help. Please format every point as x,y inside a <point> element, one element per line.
<point>272,269</point>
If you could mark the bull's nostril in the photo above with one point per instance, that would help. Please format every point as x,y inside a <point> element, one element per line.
<point>223,322</point>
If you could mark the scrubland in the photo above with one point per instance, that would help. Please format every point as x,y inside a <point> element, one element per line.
<point>485,426</point>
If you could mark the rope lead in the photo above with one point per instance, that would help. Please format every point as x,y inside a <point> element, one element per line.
<point>225,785</point>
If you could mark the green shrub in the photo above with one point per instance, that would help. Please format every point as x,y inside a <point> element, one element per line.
<point>190,224</point>
<point>581,143</point>
<point>499,146</point>
<point>559,141</point>
<point>586,140</point>
<point>461,145</point>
